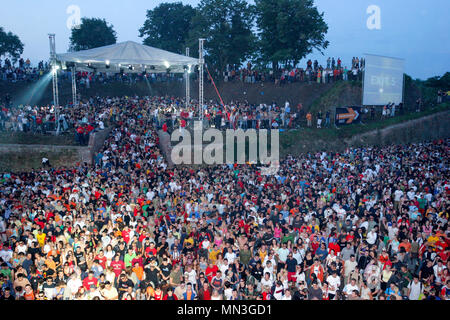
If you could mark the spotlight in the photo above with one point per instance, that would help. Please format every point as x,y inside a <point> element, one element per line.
<point>167,64</point>
<point>55,68</point>
<point>107,64</point>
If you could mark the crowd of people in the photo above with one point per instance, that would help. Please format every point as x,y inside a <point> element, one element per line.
<point>22,70</point>
<point>368,223</point>
<point>313,72</point>
<point>80,121</point>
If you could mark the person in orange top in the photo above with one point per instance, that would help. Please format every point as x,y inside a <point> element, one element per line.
<point>50,263</point>
<point>405,244</point>
<point>29,294</point>
<point>139,271</point>
<point>309,119</point>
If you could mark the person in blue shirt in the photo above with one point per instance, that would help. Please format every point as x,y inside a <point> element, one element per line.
<point>322,252</point>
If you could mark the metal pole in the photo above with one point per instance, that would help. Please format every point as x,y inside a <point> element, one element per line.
<point>201,62</point>
<point>74,88</point>
<point>55,78</point>
<point>188,85</point>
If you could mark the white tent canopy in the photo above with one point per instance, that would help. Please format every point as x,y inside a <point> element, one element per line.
<point>129,56</point>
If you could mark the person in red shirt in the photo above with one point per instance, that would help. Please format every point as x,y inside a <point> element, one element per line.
<point>211,271</point>
<point>126,234</point>
<point>169,295</point>
<point>205,292</point>
<point>89,280</point>
<point>101,259</point>
<point>334,246</point>
<point>80,134</point>
<point>117,265</point>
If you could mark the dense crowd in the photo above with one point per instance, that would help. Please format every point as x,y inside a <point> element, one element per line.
<point>313,72</point>
<point>367,223</point>
<point>80,121</point>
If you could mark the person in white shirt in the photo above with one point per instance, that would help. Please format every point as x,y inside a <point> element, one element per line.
<point>266,281</point>
<point>372,236</point>
<point>350,265</point>
<point>269,269</point>
<point>74,284</point>
<point>230,256</point>
<point>278,291</point>
<point>415,289</point>
<point>334,282</point>
<point>287,295</point>
<point>348,289</point>
<point>190,275</point>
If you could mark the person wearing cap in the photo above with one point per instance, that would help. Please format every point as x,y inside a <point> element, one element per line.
<point>94,293</point>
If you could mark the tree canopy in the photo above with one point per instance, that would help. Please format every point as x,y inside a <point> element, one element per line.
<point>10,44</point>
<point>167,26</point>
<point>92,33</point>
<point>289,30</point>
<point>227,27</point>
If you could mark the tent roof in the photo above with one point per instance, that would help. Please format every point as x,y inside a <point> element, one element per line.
<point>122,55</point>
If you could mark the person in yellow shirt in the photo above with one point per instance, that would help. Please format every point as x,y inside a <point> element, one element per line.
<point>433,239</point>
<point>40,237</point>
<point>262,252</point>
<point>213,254</point>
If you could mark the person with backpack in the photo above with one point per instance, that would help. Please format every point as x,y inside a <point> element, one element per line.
<point>415,288</point>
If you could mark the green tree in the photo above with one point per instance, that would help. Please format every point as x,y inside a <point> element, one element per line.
<point>289,30</point>
<point>10,44</point>
<point>226,26</point>
<point>167,26</point>
<point>439,82</point>
<point>92,33</point>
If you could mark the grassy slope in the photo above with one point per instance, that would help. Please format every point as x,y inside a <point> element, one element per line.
<point>29,138</point>
<point>304,139</point>
<point>18,161</point>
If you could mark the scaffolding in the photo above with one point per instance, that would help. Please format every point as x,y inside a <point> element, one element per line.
<point>74,87</point>
<point>187,72</point>
<point>54,68</point>
<point>201,62</point>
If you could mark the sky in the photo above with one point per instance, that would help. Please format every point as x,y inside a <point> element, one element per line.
<point>414,30</point>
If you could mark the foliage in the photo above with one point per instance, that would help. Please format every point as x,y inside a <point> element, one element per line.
<point>289,30</point>
<point>227,27</point>
<point>92,33</point>
<point>10,44</point>
<point>167,26</point>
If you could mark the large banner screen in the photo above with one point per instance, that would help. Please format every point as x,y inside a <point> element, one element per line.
<point>383,80</point>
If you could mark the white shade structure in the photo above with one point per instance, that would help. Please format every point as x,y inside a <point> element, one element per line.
<point>129,56</point>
